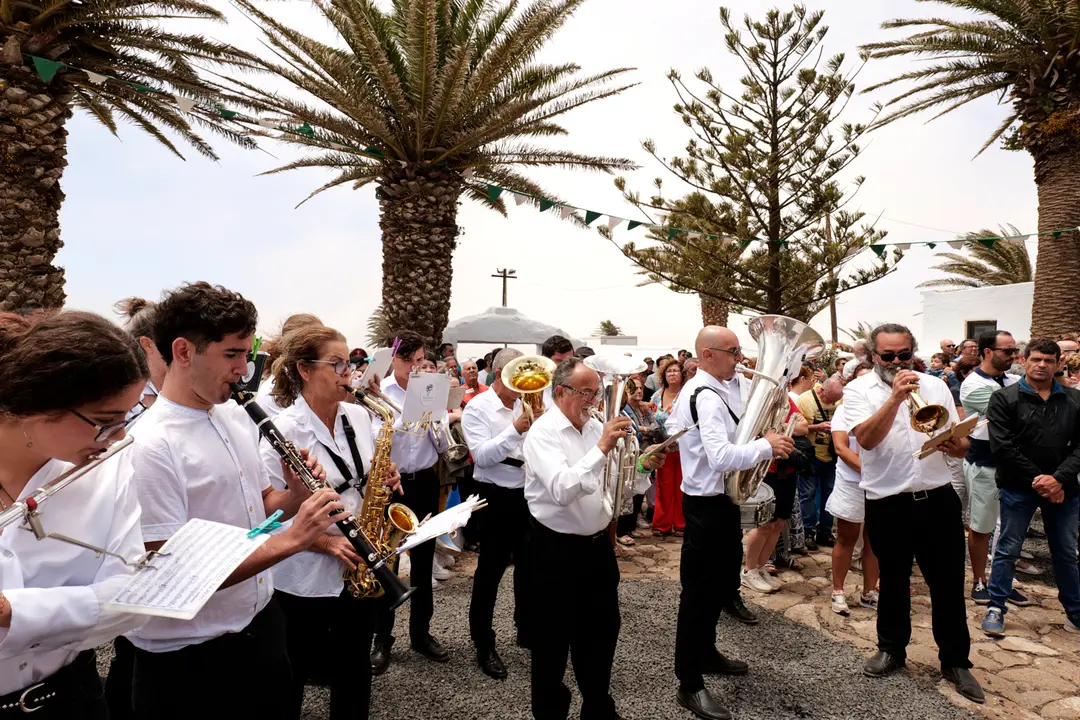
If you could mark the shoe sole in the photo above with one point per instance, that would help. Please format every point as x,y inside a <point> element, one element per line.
<point>973,698</point>
<point>732,673</point>
<point>884,674</point>
<point>1069,627</point>
<point>686,706</point>
<point>994,633</point>
<point>1026,603</point>
<point>980,602</point>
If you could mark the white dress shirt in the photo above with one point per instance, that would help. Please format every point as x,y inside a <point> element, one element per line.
<point>889,468</point>
<point>564,470</point>
<point>490,433</point>
<point>706,452</point>
<point>414,450</point>
<point>265,400</point>
<point>191,463</point>
<point>310,573</point>
<point>57,590</point>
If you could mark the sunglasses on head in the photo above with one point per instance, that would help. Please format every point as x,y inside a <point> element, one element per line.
<point>904,356</point>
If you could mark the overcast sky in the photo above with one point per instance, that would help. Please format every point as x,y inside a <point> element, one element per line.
<point>137,220</point>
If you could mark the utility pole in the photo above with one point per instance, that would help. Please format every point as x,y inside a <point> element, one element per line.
<point>832,278</point>
<point>505,275</point>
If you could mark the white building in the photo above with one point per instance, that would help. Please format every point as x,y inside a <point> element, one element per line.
<point>595,341</point>
<point>964,314</point>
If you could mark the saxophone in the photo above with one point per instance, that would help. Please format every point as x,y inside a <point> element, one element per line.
<point>386,526</point>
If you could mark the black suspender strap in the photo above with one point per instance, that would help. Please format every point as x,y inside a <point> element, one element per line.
<point>350,436</point>
<point>693,403</point>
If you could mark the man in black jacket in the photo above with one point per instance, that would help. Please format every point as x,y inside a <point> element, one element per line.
<point>1035,439</point>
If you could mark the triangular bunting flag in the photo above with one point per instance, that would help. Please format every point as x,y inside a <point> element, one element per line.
<point>613,222</point>
<point>545,204</point>
<point>783,244</point>
<point>743,243</point>
<point>144,89</point>
<point>46,68</point>
<point>1057,234</point>
<point>269,124</point>
<point>372,150</point>
<point>306,130</point>
<point>631,224</point>
<point>988,242</point>
<point>693,235</point>
<point>185,104</point>
<point>956,244</point>
<point>494,191</point>
<point>520,199</point>
<point>903,246</point>
<point>931,245</point>
<point>95,78</point>
<point>879,250</point>
<point>590,216</point>
<point>565,211</point>
<point>672,232</point>
<point>467,173</point>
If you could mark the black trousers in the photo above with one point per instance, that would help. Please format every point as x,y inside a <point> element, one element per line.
<point>577,583</point>
<point>243,674</point>
<point>118,682</point>
<point>709,573</point>
<point>467,485</point>
<point>503,526</point>
<point>79,694</point>
<point>316,628</point>
<point>926,528</point>
<point>422,497</point>
<point>628,523</point>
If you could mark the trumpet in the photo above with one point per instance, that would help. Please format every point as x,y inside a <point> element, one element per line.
<point>926,418</point>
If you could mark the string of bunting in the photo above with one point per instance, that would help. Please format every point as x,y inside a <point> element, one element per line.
<point>495,191</point>
<point>46,69</point>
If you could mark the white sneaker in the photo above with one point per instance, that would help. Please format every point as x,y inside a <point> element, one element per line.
<point>440,573</point>
<point>774,582</point>
<point>1070,626</point>
<point>753,580</point>
<point>1022,566</point>
<point>434,583</point>
<point>1025,555</point>
<point>447,561</point>
<point>642,523</point>
<point>839,604</point>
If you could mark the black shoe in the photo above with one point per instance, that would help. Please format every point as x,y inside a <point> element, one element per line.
<point>720,665</point>
<point>430,648</point>
<point>703,705</point>
<point>826,541</point>
<point>882,664</point>
<point>965,683</point>
<point>491,664</point>
<point>740,612</point>
<point>380,656</point>
<point>811,546</point>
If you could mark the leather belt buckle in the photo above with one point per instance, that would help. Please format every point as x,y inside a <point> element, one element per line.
<point>920,495</point>
<point>23,698</point>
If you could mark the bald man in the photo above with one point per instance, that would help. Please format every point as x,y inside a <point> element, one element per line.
<point>712,547</point>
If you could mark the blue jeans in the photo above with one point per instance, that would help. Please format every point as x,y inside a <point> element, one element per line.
<point>1060,521</point>
<point>815,487</point>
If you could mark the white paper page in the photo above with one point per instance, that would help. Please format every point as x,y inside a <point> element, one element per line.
<point>377,367</point>
<point>427,393</point>
<point>453,400</point>
<point>201,555</point>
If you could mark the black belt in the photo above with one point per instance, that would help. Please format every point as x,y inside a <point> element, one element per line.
<point>414,475</point>
<point>512,462</point>
<point>568,538</point>
<point>66,684</point>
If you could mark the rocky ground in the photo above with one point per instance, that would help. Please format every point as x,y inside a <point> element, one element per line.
<point>804,659</point>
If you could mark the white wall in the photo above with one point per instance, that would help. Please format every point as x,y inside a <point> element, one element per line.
<point>946,314</point>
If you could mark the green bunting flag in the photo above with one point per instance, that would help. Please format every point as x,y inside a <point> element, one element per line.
<point>226,114</point>
<point>494,191</point>
<point>545,204</point>
<point>987,242</point>
<point>45,68</point>
<point>631,224</point>
<point>145,89</point>
<point>306,130</point>
<point>743,243</point>
<point>879,250</point>
<point>931,245</point>
<point>672,232</point>
<point>590,216</point>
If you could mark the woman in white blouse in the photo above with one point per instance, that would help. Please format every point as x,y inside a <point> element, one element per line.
<point>67,382</point>
<point>310,377</point>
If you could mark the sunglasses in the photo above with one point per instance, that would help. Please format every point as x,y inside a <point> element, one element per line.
<point>904,356</point>
<point>734,352</point>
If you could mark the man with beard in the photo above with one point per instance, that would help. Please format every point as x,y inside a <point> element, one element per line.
<point>997,350</point>
<point>912,512</point>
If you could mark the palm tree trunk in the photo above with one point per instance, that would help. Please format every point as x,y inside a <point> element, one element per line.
<point>1056,305</point>
<point>419,229</point>
<point>713,311</point>
<point>33,149</point>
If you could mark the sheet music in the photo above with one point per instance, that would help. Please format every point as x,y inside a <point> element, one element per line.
<point>200,556</point>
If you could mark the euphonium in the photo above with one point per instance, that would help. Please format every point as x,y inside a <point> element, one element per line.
<point>529,375</point>
<point>386,527</point>
<point>622,460</point>
<point>783,344</point>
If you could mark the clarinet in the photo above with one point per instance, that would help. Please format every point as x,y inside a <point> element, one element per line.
<point>396,590</point>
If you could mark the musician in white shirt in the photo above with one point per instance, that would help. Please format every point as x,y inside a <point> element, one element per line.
<point>712,548</point>
<point>310,378</point>
<point>495,428</point>
<point>195,458</point>
<point>67,383</point>
<point>565,456</point>
<point>912,512</point>
<point>415,452</point>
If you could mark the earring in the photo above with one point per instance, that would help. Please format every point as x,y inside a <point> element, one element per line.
<point>29,442</point>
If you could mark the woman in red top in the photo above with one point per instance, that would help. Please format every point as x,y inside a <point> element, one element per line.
<point>668,515</point>
<point>761,541</point>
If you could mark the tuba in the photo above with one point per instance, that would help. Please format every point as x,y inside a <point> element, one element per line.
<point>622,461</point>
<point>529,375</point>
<point>783,344</point>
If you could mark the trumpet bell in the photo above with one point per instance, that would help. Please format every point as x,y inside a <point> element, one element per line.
<point>528,373</point>
<point>927,418</point>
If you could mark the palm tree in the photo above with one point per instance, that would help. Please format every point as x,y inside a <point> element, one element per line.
<point>608,329</point>
<point>120,39</point>
<point>1025,52</point>
<point>379,333</point>
<point>430,100</point>
<point>1001,262</point>
<point>861,331</point>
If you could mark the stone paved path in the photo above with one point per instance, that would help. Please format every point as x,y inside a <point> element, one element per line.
<point>1032,673</point>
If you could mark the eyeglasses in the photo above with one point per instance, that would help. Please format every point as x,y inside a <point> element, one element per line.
<point>341,367</point>
<point>734,352</point>
<point>107,431</point>
<point>888,357</point>
<point>587,394</point>
<point>1007,351</point>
